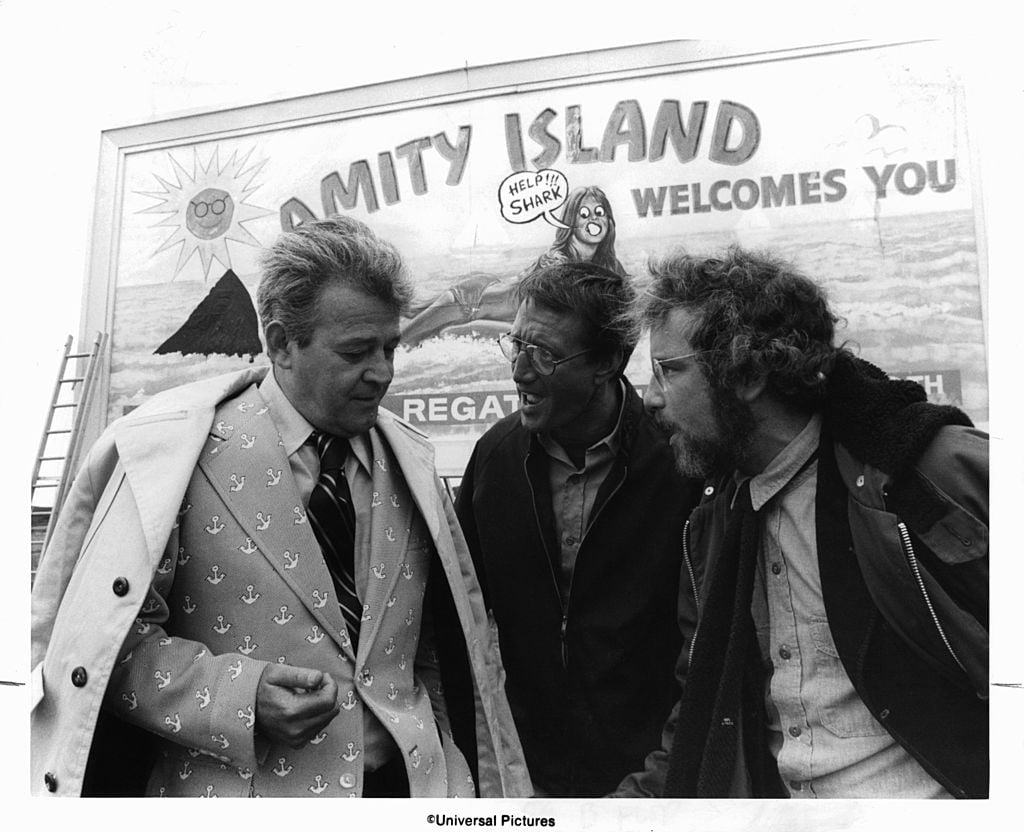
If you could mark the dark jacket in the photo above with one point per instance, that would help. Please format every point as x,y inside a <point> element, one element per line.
<point>589,685</point>
<point>903,487</point>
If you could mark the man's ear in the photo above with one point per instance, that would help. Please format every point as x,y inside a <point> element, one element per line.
<point>277,344</point>
<point>750,391</point>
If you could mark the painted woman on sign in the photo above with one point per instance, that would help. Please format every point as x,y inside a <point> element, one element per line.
<point>488,303</point>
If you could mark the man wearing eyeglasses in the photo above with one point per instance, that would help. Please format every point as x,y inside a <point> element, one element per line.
<point>574,512</point>
<point>838,559</point>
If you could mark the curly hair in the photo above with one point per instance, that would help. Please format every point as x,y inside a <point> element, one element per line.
<point>599,297</point>
<point>757,317</point>
<point>337,250</point>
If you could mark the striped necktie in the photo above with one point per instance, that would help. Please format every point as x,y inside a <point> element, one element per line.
<point>334,524</point>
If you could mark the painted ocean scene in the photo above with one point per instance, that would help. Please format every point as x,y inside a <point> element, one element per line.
<point>907,288</point>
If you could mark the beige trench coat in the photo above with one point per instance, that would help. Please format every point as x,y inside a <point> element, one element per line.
<point>121,523</point>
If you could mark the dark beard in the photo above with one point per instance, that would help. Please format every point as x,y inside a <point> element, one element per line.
<point>711,457</point>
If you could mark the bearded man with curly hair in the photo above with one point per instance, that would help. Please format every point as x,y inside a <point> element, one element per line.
<point>837,566</point>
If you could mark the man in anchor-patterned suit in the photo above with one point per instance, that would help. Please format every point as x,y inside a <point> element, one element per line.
<point>186,589</point>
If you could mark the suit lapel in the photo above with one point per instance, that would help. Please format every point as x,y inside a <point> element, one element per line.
<point>390,524</point>
<point>245,462</point>
<point>416,463</point>
<point>158,444</point>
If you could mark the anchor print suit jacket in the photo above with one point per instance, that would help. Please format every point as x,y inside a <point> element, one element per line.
<point>184,539</point>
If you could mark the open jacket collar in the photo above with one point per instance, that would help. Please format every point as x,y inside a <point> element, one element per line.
<point>886,423</point>
<point>159,463</point>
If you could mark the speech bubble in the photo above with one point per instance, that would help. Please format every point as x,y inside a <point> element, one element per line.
<point>526,195</point>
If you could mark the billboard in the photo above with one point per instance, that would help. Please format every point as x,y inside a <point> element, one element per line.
<point>851,160</point>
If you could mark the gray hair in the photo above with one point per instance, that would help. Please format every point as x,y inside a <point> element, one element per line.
<point>302,263</point>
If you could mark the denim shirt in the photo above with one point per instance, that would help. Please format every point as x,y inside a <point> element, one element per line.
<point>574,492</point>
<point>825,740</point>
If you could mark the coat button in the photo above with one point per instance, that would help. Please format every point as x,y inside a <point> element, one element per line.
<point>348,780</point>
<point>79,677</point>
<point>50,780</point>
<point>709,490</point>
<point>883,714</point>
<point>120,587</point>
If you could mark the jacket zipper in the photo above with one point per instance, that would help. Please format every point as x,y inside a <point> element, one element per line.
<point>586,531</point>
<point>565,609</point>
<point>693,584</point>
<point>908,550</point>
<point>551,566</point>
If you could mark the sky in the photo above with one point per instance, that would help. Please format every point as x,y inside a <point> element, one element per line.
<point>70,70</point>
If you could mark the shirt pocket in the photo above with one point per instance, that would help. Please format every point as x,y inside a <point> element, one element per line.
<point>840,708</point>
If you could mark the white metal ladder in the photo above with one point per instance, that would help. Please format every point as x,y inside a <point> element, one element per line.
<point>71,395</point>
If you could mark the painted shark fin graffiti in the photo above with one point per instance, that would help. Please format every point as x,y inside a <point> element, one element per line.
<point>224,323</point>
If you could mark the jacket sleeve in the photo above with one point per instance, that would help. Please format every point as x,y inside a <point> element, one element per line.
<point>945,506</point>
<point>58,561</point>
<point>651,781</point>
<point>175,688</point>
<point>467,521</point>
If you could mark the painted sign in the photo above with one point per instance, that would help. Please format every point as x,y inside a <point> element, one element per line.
<point>853,164</point>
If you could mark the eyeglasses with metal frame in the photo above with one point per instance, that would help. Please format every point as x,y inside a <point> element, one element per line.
<point>540,357</point>
<point>658,368</point>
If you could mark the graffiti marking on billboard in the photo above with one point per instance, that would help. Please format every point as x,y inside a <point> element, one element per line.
<point>207,207</point>
<point>224,323</point>
<point>524,196</point>
<point>483,305</point>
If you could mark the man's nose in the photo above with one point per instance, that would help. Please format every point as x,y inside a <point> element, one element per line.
<point>654,396</point>
<point>380,370</point>
<point>522,368</point>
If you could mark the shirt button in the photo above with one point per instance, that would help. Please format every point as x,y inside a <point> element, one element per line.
<point>784,652</point>
<point>796,785</point>
<point>120,587</point>
<point>794,730</point>
<point>79,677</point>
<point>348,780</point>
<point>50,781</point>
<point>860,481</point>
<point>776,568</point>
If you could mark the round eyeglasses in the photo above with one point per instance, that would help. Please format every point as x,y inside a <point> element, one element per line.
<point>202,208</point>
<point>540,358</point>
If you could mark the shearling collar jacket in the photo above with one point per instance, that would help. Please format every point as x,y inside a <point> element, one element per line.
<point>903,486</point>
